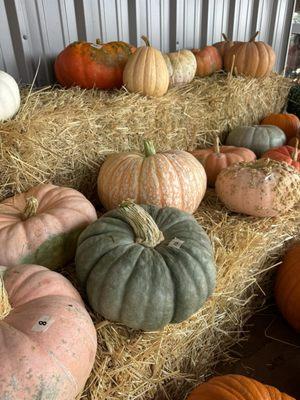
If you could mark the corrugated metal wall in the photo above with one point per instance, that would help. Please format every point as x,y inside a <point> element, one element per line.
<point>33,30</point>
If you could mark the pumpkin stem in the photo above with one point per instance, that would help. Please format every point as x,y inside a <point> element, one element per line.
<point>149,148</point>
<point>225,37</point>
<point>5,307</point>
<point>99,42</point>
<point>30,208</point>
<point>146,40</point>
<point>254,36</point>
<point>144,227</point>
<point>296,151</point>
<point>217,145</point>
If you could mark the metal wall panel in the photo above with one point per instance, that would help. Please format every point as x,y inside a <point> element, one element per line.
<point>33,32</point>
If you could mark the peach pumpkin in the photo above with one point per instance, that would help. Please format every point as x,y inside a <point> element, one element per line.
<point>42,225</point>
<point>48,340</point>
<point>263,188</point>
<point>172,178</point>
<point>289,123</point>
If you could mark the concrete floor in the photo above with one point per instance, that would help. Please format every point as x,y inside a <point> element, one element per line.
<point>271,355</point>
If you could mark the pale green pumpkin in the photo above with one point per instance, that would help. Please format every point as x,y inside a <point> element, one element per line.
<point>145,266</point>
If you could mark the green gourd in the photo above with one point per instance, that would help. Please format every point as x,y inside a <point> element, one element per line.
<point>145,266</point>
<point>258,138</point>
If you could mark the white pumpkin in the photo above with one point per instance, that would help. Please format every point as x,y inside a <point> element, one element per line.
<point>9,96</point>
<point>182,66</point>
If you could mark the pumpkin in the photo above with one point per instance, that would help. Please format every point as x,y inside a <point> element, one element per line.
<point>48,340</point>
<point>172,178</point>
<point>289,123</point>
<point>217,158</point>
<point>287,286</point>
<point>223,46</point>
<point>263,188</point>
<point>288,154</point>
<point>90,65</point>
<point>9,96</point>
<point>236,387</point>
<point>258,138</point>
<point>145,266</point>
<point>208,60</point>
<point>42,225</point>
<point>251,58</point>
<point>293,103</point>
<point>146,71</point>
<point>182,66</point>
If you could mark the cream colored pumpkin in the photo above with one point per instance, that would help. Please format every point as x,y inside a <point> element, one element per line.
<point>182,66</point>
<point>9,96</point>
<point>146,72</point>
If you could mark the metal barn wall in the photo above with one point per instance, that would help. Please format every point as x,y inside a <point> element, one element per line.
<point>33,31</point>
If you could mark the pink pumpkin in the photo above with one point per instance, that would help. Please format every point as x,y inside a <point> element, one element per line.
<point>47,340</point>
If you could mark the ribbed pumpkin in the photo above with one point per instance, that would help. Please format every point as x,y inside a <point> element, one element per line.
<point>146,71</point>
<point>42,225</point>
<point>287,154</point>
<point>224,46</point>
<point>236,387</point>
<point>145,266</point>
<point>217,158</point>
<point>251,58</point>
<point>287,287</point>
<point>182,66</point>
<point>208,60</point>
<point>172,178</point>
<point>289,123</point>
<point>90,65</point>
<point>263,188</point>
<point>48,341</point>
<point>9,96</point>
<point>258,138</point>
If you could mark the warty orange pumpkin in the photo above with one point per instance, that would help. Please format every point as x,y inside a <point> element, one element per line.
<point>289,123</point>
<point>208,60</point>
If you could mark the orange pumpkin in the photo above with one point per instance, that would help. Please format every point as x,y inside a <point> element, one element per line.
<point>289,123</point>
<point>48,340</point>
<point>263,188</point>
<point>172,178</point>
<point>224,46</point>
<point>208,60</point>
<point>236,387</point>
<point>288,154</point>
<point>90,65</point>
<point>217,158</point>
<point>287,287</point>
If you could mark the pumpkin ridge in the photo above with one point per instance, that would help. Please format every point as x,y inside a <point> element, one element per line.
<point>256,385</point>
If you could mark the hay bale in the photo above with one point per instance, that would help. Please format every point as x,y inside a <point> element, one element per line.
<point>63,135</point>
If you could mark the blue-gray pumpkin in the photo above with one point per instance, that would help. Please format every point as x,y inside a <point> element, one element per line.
<point>145,266</point>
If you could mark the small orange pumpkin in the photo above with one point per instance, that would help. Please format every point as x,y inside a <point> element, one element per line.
<point>217,158</point>
<point>287,286</point>
<point>208,59</point>
<point>288,154</point>
<point>289,123</point>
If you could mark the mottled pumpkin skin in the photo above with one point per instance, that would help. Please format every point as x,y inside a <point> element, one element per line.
<point>49,237</point>
<point>284,154</point>
<point>287,287</point>
<point>172,178</point>
<point>236,387</point>
<point>182,67</point>
<point>38,360</point>
<point>258,138</point>
<point>289,123</point>
<point>263,188</point>
<point>208,60</point>
<point>90,65</point>
<point>141,287</point>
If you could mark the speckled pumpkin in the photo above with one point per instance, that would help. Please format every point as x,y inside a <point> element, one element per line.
<point>236,387</point>
<point>145,266</point>
<point>41,226</point>
<point>263,188</point>
<point>258,138</point>
<point>182,67</point>
<point>173,178</point>
<point>48,341</point>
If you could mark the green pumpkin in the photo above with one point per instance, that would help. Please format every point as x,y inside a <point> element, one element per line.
<point>145,266</point>
<point>258,138</point>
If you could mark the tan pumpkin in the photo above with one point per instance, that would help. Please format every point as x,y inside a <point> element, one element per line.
<point>182,67</point>
<point>42,225</point>
<point>263,188</point>
<point>251,58</point>
<point>48,341</point>
<point>146,71</point>
<point>216,158</point>
<point>208,60</point>
<point>172,178</point>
